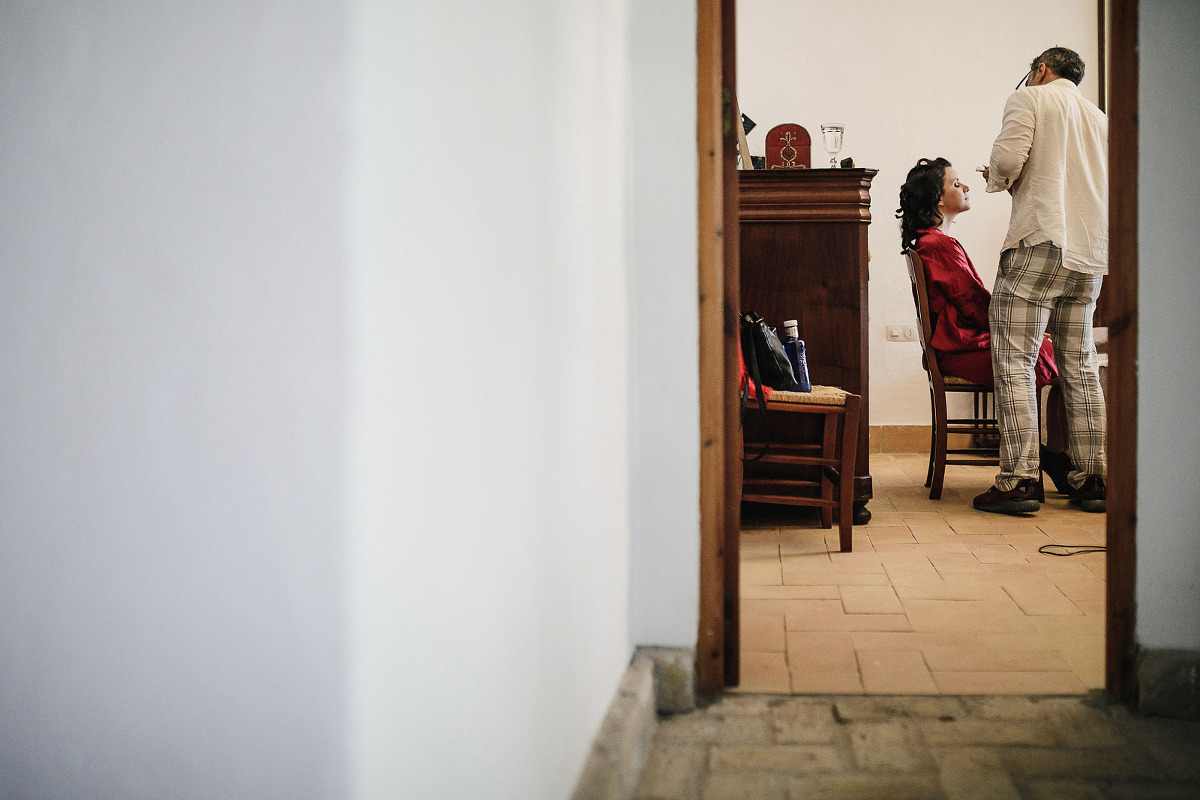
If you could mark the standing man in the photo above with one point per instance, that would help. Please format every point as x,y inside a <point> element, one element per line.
<point>1052,157</point>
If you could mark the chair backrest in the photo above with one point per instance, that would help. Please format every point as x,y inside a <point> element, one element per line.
<point>916,274</point>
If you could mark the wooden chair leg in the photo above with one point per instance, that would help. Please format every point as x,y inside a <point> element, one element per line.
<point>939,446</point>
<point>829,443</point>
<point>853,412</point>
<point>932,446</point>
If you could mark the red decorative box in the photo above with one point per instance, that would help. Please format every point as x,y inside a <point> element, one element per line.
<point>789,147</point>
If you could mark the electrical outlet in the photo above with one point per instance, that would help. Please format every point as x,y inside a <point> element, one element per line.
<point>901,333</point>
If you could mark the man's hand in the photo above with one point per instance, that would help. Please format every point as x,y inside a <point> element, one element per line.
<point>987,174</point>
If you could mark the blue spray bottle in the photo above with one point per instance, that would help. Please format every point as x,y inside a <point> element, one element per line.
<point>793,345</point>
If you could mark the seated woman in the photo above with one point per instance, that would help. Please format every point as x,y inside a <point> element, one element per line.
<point>932,196</point>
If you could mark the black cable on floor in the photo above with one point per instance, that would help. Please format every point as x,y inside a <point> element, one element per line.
<point>1076,549</point>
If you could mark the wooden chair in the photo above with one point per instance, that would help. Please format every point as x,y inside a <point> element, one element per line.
<point>982,422</point>
<point>839,412</point>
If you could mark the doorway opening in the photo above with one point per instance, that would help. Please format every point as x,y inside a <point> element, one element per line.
<point>719,636</point>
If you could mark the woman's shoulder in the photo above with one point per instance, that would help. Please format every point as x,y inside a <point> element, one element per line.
<point>933,240</point>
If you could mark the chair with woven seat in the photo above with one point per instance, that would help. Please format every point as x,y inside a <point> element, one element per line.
<point>981,426</point>
<point>839,412</point>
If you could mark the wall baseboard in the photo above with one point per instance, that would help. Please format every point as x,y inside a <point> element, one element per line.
<point>659,679</point>
<point>909,439</point>
<point>1169,683</point>
<point>900,438</point>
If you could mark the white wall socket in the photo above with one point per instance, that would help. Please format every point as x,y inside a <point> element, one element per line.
<point>901,333</point>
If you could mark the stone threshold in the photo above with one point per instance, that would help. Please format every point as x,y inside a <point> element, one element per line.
<point>1169,683</point>
<point>658,680</point>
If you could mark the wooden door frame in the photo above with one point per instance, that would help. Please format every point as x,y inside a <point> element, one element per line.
<point>714,427</point>
<point>717,301</point>
<point>1120,679</point>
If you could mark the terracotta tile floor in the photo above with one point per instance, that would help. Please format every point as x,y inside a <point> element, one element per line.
<point>936,598</point>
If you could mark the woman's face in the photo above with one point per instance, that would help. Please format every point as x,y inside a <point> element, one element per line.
<point>955,199</point>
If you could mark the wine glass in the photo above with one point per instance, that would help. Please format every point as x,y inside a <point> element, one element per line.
<point>831,132</point>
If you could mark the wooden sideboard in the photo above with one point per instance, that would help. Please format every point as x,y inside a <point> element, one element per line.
<point>804,257</point>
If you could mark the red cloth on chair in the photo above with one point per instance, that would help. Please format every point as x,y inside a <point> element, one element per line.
<point>958,305</point>
<point>746,382</point>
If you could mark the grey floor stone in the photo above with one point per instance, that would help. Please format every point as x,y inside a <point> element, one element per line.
<point>672,772</point>
<point>766,747</point>
<point>797,721</point>
<point>865,787</point>
<point>973,772</point>
<point>886,747</point>
<point>738,786</point>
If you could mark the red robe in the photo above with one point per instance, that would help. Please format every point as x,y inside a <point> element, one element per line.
<point>958,305</point>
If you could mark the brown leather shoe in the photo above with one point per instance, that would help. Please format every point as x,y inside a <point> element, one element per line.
<point>1021,500</point>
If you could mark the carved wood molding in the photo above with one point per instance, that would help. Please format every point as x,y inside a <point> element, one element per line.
<point>806,195</point>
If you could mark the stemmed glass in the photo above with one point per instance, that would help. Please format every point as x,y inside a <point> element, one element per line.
<point>831,132</point>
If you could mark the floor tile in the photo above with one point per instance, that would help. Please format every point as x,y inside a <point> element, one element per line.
<point>971,659</point>
<point>996,554</point>
<point>1079,588</point>
<point>805,578</point>
<point>821,651</point>
<point>856,562</point>
<point>1070,625</point>
<point>838,681</point>
<point>1027,543</point>
<point>895,672</point>
<point>827,592</point>
<point>918,571</point>
<point>803,545</point>
<point>966,616</point>
<point>760,572</point>
<point>870,600</point>
<point>951,563</point>
<point>847,622</point>
<point>941,590</point>
<point>762,633</point>
<point>890,534</point>
<point>1041,598</point>
<point>782,605</point>
<point>907,640</point>
<point>913,548</point>
<point>1086,662</point>
<point>1009,683</point>
<point>937,598</point>
<point>764,673</point>
<point>751,550</point>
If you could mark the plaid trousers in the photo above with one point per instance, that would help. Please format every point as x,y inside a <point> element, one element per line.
<point>1034,294</point>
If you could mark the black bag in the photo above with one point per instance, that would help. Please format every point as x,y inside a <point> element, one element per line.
<point>767,363</point>
<point>765,352</point>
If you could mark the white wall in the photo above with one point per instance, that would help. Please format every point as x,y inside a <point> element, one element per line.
<point>172,619</point>
<point>324,328</point>
<point>490,550</point>
<point>908,80</point>
<point>665,423</point>
<point>1168,567</point>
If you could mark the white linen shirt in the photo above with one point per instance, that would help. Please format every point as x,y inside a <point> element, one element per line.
<point>1053,150</point>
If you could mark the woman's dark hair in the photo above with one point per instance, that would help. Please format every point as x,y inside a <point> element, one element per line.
<point>919,197</point>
